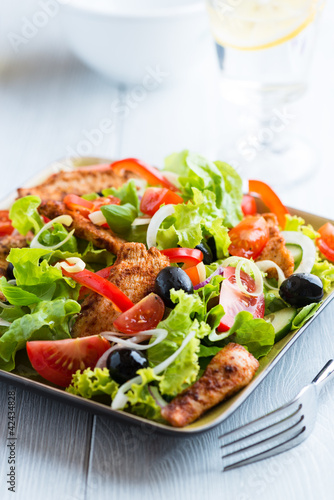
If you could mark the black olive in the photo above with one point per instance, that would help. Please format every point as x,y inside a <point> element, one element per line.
<point>10,272</point>
<point>123,364</point>
<point>207,253</point>
<point>301,289</point>
<point>212,245</point>
<point>99,193</point>
<point>172,277</point>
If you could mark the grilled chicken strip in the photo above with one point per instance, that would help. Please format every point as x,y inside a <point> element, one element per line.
<point>228,372</point>
<point>134,272</point>
<point>6,244</point>
<point>84,228</point>
<point>79,182</point>
<point>275,249</point>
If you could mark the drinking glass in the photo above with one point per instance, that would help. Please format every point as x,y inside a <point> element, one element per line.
<point>264,51</point>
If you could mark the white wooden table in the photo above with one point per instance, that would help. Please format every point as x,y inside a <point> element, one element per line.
<point>47,101</point>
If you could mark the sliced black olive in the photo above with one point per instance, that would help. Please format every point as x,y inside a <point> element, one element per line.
<point>99,193</point>
<point>172,277</point>
<point>212,245</point>
<point>123,364</point>
<point>207,253</point>
<point>10,272</point>
<point>301,289</point>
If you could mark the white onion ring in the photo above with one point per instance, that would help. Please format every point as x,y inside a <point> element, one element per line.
<point>121,343</point>
<point>4,323</point>
<point>307,246</point>
<point>6,306</point>
<point>264,265</point>
<point>77,266</point>
<point>156,222</point>
<point>250,268</point>
<point>142,221</point>
<point>97,218</point>
<point>121,399</point>
<point>66,220</point>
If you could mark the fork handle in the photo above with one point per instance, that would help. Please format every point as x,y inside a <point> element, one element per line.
<point>324,375</point>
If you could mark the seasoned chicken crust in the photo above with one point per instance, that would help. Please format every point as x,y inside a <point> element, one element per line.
<point>78,182</point>
<point>275,249</point>
<point>134,273</point>
<point>6,244</point>
<point>84,228</point>
<point>229,371</point>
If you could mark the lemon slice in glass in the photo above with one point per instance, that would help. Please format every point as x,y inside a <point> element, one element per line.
<point>259,24</point>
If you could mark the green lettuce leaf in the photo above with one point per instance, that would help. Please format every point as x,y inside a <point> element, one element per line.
<point>58,233</point>
<point>24,215</point>
<point>91,383</point>
<point>304,315</point>
<point>193,221</point>
<point>325,271</point>
<point>140,399</point>
<point>256,335</point>
<point>295,223</point>
<point>183,371</point>
<point>221,179</point>
<point>120,217</point>
<point>126,193</point>
<point>47,321</point>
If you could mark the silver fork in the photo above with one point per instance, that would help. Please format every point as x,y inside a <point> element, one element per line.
<point>277,431</point>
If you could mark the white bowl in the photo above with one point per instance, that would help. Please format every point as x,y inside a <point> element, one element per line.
<point>148,42</point>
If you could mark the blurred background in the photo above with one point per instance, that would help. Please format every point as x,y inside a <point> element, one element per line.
<point>150,85</point>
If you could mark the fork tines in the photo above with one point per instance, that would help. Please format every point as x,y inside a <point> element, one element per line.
<point>266,436</point>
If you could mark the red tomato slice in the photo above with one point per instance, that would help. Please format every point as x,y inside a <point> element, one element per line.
<point>5,223</point>
<point>103,287</point>
<point>270,199</point>
<point>153,198</point>
<point>326,241</point>
<point>188,256</point>
<point>248,205</point>
<point>234,300</point>
<point>145,315</point>
<point>249,237</point>
<point>74,202</point>
<point>57,360</point>
<point>151,174</point>
<point>197,273</point>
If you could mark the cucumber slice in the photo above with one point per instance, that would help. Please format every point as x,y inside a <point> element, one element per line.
<point>282,321</point>
<point>296,252</point>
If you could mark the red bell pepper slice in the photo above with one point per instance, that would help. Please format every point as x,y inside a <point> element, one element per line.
<point>5,223</point>
<point>74,202</point>
<point>103,287</point>
<point>270,199</point>
<point>151,174</point>
<point>189,256</point>
<point>154,197</point>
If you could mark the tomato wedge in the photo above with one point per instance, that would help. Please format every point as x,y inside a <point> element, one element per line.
<point>248,205</point>
<point>74,202</point>
<point>249,237</point>
<point>234,300</point>
<point>103,287</point>
<point>326,241</point>
<point>270,199</point>
<point>58,360</point>
<point>151,174</point>
<point>197,274</point>
<point>154,197</point>
<point>189,256</point>
<point>145,315</point>
<point>5,223</point>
